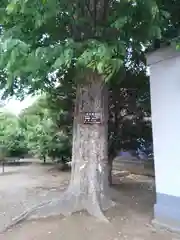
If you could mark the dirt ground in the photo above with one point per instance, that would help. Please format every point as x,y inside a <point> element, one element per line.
<point>130,219</point>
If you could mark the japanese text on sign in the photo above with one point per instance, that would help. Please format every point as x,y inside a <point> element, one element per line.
<point>92,118</point>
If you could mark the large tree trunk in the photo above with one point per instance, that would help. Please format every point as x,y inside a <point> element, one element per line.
<point>89,179</point>
<point>88,185</point>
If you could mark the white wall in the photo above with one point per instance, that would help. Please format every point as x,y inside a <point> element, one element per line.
<point>165,104</point>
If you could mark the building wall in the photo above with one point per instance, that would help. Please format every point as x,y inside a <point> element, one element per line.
<point>165,104</point>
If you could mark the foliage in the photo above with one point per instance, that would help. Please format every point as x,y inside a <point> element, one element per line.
<point>43,129</point>
<point>42,41</point>
<point>11,136</point>
<point>60,102</point>
<point>171,25</point>
<point>129,112</point>
<point>43,137</point>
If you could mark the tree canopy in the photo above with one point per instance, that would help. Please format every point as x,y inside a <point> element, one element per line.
<point>42,41</point>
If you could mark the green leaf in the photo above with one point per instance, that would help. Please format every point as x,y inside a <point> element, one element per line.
<point>58,63</point>
<point>119,23</point>
<point>178,47</point>
<point>85,58</point>
<point>12,6</point>
<point>165,14</point>
<point>100,67</point>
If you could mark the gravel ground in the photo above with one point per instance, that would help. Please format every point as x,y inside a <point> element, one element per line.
<point>22,188</point>
<point>31,185</point>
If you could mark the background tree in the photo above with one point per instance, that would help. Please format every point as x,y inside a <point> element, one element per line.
<point>129,108</point>
<point>11,136</point>
<point>43,136</point>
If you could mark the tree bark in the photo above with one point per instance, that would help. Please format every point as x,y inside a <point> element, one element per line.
<point>89,177</point>
<point>88,187</point>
